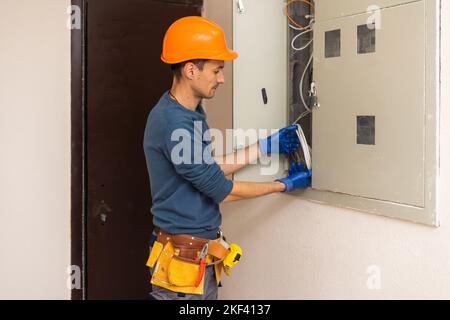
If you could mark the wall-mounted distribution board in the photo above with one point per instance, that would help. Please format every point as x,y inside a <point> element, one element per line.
<point>374,136</point>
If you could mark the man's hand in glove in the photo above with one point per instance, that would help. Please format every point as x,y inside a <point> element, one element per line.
<point>285,141</point>
<point>299,178</point>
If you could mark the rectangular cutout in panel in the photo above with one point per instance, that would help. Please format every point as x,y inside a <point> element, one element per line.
<point>333,44</point>
<point>366,38</point>
<point>365,130</point>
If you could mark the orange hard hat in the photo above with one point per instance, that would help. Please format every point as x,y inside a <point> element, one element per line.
<point>195,37</point>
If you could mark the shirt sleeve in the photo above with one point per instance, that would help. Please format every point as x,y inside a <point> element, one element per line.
<point>192,159</point>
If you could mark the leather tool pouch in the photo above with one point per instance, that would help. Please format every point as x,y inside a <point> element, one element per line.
<point>175,273</point>
<point>154,254</point>
<point>176,267</point>
<point>183,272</point>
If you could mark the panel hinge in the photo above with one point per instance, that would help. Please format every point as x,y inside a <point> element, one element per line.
<point>240,6</point>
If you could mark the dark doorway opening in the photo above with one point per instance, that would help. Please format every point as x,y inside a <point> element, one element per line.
<point>117,77</point>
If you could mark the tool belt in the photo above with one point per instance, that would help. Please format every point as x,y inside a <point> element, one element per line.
<point>179,261</point>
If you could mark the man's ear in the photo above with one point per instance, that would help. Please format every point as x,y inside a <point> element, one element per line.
<point>189,70</point>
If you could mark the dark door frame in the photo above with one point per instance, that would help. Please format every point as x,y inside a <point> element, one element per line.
<point>78,150</point>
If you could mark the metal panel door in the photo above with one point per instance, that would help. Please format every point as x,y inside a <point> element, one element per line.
<point>259,77</point>
<point>329,9</point>
<point>369,132</point>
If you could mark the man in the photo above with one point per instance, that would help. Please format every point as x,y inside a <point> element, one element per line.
<point>186,192</point>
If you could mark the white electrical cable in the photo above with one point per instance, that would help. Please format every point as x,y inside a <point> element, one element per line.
<point>296,28</point>
<point>309,26</point>
<point>305,30</point>
<point>301,84</point>
<point>302,115</point>
<point>295,38</point>
<point>305,147</point>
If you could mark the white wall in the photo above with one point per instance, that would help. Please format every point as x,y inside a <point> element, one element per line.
<point>34,149</point>
<point>221,115</point>
<point>295,249</point>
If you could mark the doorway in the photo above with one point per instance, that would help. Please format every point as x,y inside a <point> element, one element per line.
<point>117,77</point>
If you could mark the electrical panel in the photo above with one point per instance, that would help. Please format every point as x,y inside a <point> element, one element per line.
<point>369,131</point>
<point>365,92</point>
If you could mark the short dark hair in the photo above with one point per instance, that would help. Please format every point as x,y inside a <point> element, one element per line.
<point>176,68</point>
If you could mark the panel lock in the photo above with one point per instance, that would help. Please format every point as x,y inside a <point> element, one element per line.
<point>313,101</point>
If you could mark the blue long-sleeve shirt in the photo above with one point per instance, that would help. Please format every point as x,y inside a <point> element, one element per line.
<point>187,185</point>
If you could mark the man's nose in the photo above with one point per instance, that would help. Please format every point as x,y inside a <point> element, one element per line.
<point>221,78</point>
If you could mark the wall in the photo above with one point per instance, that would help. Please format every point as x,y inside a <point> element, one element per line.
<point>296,249</point>
<point>293,249</point>
<point>35,149</point>
<point>219,110</point>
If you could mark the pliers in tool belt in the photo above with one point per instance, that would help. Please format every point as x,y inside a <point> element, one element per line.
<point>202,258</point>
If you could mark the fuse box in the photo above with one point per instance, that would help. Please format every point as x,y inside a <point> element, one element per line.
<point>373,125</point>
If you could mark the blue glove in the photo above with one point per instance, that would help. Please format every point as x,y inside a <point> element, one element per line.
<point>299,178</point>
<point>297,167</point>
<point>285,141</point>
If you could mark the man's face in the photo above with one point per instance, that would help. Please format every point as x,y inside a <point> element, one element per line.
<point>206,81</point>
